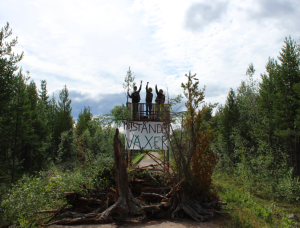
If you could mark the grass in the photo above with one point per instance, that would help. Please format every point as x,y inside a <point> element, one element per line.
<point>250,210</point>
<point>137,157</point>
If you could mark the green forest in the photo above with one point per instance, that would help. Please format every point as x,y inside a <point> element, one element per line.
<point>255,136</point>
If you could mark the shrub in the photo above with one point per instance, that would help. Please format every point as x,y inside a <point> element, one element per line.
<point>46,190</point>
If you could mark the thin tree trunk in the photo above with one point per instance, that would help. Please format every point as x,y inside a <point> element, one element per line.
<point>15,142</point>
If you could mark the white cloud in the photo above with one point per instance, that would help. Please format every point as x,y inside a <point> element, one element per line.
<point>89,45</point>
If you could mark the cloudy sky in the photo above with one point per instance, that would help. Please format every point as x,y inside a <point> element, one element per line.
<point>89,45</point>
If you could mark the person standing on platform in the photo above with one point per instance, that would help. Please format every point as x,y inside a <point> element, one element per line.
<point>160,100</point>
<point>149,97</point>
<point>135,96</point>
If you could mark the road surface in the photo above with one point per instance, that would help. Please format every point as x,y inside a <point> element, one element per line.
<point>149,161</point>
<point>157,223</point>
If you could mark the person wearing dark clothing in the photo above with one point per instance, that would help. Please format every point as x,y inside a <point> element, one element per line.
<point>135,96</point>
<point>149,97</point>
<point>160,100</point>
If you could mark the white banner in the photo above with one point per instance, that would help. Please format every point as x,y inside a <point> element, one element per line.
<point>146,135</point>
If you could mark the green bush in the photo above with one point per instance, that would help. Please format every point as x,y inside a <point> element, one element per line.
<point>240,222</point>
<point>46,190</point>
<point>244,199</point>
<point>288,223</point>
<point>289,187</point>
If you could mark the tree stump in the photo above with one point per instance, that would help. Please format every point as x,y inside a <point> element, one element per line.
<point>126,203</point>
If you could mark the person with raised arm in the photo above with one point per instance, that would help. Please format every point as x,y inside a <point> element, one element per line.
<point>149,97</point>
<point>160,100</point>
<point>135,96</point>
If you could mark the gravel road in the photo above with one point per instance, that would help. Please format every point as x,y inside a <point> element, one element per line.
<point>157,223</point>
<point>149,161</point>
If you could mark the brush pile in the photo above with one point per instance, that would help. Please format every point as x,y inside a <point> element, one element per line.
<point>147,194</point>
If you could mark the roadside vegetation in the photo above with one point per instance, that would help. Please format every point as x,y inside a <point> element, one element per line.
<point>258,144</point>
<point>250,209</point>
<point>136,156</point>
<point>45,190</point>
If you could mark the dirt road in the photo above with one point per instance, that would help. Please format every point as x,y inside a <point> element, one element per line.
<point>157,223</point>
<point>149,161</point>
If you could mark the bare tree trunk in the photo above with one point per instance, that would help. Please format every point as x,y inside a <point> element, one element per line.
<point>126,202</point>
<point>129,158</point>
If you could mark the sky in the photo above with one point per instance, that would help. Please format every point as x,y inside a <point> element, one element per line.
<point>90,45</point>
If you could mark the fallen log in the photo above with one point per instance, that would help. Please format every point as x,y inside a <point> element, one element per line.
<point>70,193</point>
<point>153,194</point>
<point>78,221</point>
<point>47,211</point>
<point>90,200</point>
<point>58,211</point>
<point>158,190</point>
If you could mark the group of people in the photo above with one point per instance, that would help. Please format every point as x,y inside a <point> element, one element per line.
<point>135,96</point>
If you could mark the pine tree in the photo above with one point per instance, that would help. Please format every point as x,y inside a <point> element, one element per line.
<point>30,155</point>
<point>21,129</point>
<point>129,82</point>
<point>52,128</point>
<point>8,65</point>
<point>63,120</point>
<point>286,78</point>
<point>228,119</point>
<point>279,104</point>
<point>83,120</point>
<point>286,103</point>
<point>44,126</point>
<point>64,110</point>
<point>43,93</point>
<point>267,96</point>
<point>8,82</point>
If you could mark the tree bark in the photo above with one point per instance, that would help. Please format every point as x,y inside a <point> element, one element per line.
<point>126,202</point>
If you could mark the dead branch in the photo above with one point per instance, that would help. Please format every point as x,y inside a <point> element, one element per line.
<point>78,221</point>
<point>58,211</point>
<point>175,188</point>
<point>153,194</point>
<point>48,211</point>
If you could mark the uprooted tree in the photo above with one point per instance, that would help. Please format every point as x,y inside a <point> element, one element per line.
<point>185,190</point>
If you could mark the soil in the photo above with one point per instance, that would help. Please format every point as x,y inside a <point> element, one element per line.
<point>157,223</point>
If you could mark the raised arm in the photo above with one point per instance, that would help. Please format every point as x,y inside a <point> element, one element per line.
<point>156,89</point>
<point>147,87</point>
<point>140,87</point>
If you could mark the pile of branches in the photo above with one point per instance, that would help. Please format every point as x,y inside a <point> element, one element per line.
<point>151,197</point>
